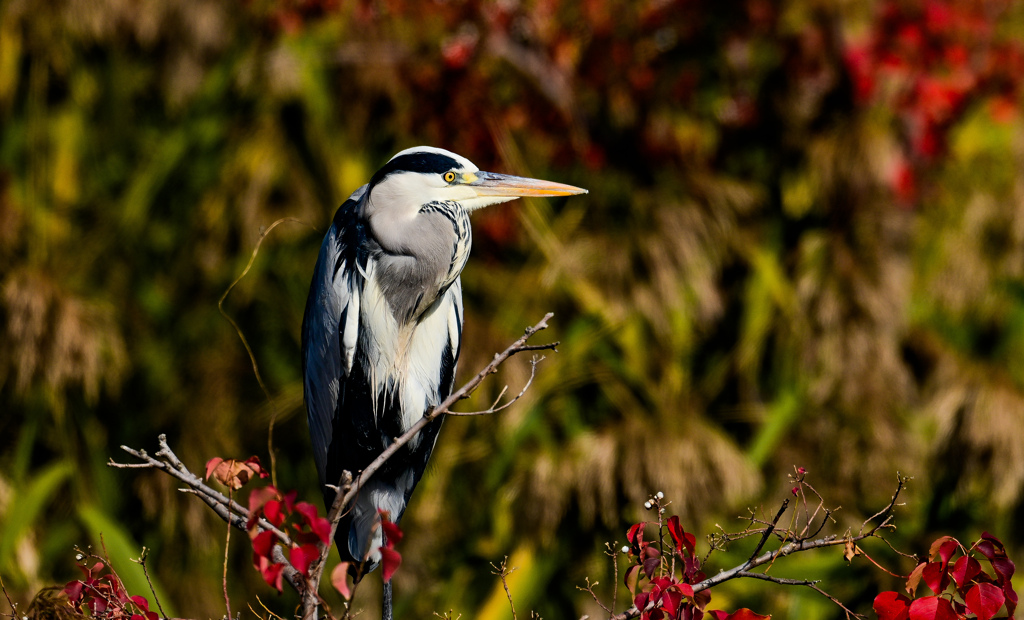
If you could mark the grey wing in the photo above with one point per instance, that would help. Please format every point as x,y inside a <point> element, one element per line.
<point>330,326</point>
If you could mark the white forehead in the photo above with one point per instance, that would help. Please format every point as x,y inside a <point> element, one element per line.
<point>463,162</point>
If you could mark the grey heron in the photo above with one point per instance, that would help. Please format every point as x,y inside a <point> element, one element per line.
<point>382,330</point>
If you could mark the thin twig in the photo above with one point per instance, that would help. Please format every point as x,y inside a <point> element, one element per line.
<point>503,572</point>
<point>227,543</point>
<point>220,302</point>
<point>768,530</point>
<point>613,551</point>
<point>901,481</point>
<point>494,409</point>
<point>849,612</point>
<point>14,608</point>
<point>145,571</point>
<point>265,608</point>
<point>245,342</point>
<point>590,589</point>
<point>780,580</point>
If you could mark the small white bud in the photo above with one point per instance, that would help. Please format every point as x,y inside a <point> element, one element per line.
<point>660,495</point>
<point>647,505</point>
<point>625,549</point>
<point>79,557</point>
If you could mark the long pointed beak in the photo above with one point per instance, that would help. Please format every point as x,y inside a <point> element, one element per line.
<point>493,184</point>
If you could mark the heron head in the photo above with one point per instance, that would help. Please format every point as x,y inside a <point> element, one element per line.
<point>424,174</point>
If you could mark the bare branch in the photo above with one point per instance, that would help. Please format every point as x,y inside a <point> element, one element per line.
<point>791,542</point>
<point>445,407</point>
<point>229,510</point>
<point>590,589</point>
<point>494,408</point>
<point>237,515</point>
<point>902,480</point>
<point>768,531</point>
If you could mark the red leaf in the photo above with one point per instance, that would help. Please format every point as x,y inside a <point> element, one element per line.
<point>339,579</point>
<point>718,614</point>
<point>670,600</point>
<point>273,575</point>
<point>932,608</point>
<point>390,561</point>
<point>746,614</point>
<point>308,512</point>
<point>253,462</point>
<point>691,569</point>
<point>651,565</point>
<point>935,577</point>
<point>97,605</point>
<point>632,576</point>
<point>263,545</point>
<point>273,513</point>
<point>1011,598</point>
<point>682,539</point>
<point>302,557</point>
<point>640,600</point>
<point>687,590</point>
<point>944,548</point>
<point>317,524</point>
<point>984,600</point>
<point>211,465</point>
<point>322,528</point>
<point>702,598</point>
<point>74,591</point>
<point>993,549</point>
<point>636,536</point>
<point>965,569</point>
<point>915,578</point>
<point>258,498</point>
<point>392,533</point>
<point>141,601</point>
<point>892,606</point>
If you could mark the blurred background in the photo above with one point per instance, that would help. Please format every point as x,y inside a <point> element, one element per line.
<point>803,246</point>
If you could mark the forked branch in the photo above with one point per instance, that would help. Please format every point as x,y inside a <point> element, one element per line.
<point>235,514</point>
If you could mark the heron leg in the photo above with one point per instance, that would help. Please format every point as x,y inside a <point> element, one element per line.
<point>386,609</point>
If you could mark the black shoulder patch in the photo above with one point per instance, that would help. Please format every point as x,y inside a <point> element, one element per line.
<point>423,161</point>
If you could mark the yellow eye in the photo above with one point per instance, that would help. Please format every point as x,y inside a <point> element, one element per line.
<point>449,177</point>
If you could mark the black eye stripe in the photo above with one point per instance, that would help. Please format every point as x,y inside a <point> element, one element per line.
<point>416,162</point>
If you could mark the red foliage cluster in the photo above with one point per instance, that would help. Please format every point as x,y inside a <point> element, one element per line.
<point>928,60</point>
<point>961,589</point>
<point>667,596</point>
<point>305,526</point>
<point>103,595</point>
<point>389,562</point>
